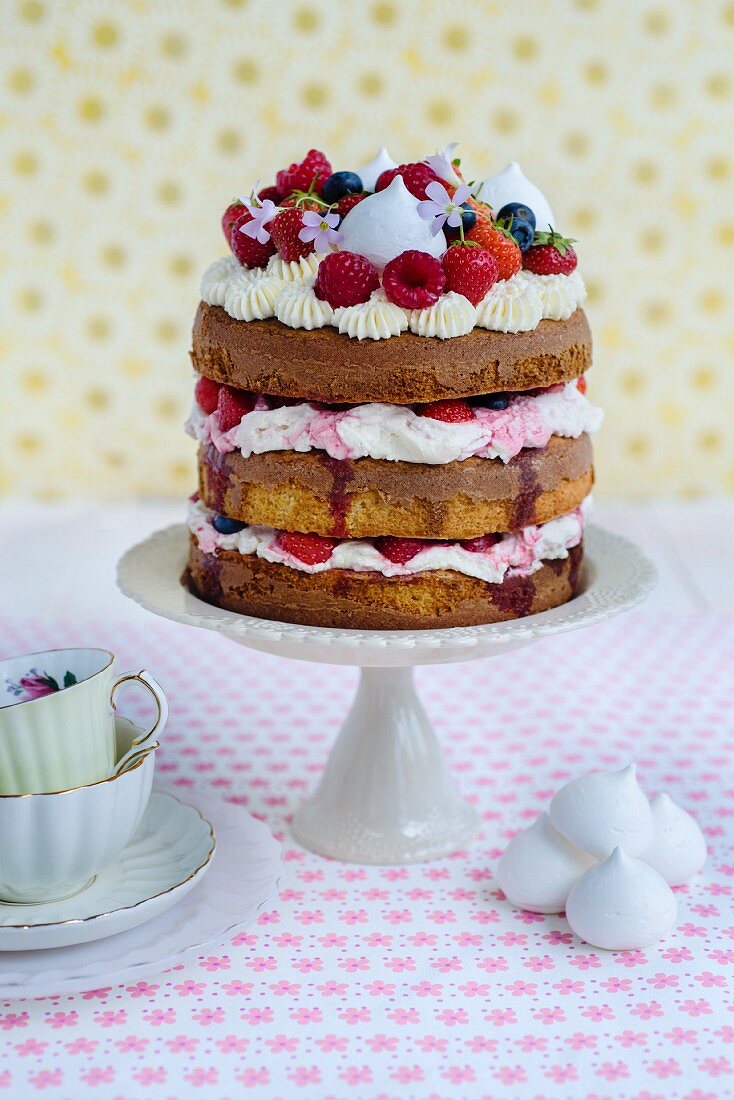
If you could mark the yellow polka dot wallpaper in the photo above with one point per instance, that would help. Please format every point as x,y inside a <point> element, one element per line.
<point>126,127</point>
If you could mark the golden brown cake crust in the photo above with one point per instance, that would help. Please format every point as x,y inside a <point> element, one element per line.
<point>325,365</point>
<point>369,601</point>
<point>368,497</point>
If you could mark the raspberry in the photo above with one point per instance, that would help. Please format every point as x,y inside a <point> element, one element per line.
<point>248,251</point>
<point>470,271</point>
<point>271,192</point>
<point>400,550</point>
<point>313,169</point>
<point>413,280</point>
<point>232,406</point>
<point>416,178</point>
<point>453,411</point>
<point>345,279</point>
<point>284,230</point>
<point>206,393</point>
<point>552,255</point>
<point>481,544</point>
<point>581,384</point>
<point>503,247</point>
<point>234,211</point>
<point>348,203</point>
<point>310,549</point>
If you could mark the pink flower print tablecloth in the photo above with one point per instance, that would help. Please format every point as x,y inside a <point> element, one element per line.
<point>421,981</point>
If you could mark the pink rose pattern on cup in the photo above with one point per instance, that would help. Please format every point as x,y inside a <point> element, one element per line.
<point>34,685</point>
<point>410,982</point>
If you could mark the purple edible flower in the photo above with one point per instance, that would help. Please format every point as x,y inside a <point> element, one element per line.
<point>262,213</point>
<point>442,207</point>
<point>442,165</point>
<point>321,229</point>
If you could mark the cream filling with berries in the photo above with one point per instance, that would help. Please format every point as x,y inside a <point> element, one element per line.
<point>511,305</point>
<point>375,319</point>
<point>514,555</point>
<point>397,433</point>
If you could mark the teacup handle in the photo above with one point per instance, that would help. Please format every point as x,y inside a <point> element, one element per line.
<point>161,703</point>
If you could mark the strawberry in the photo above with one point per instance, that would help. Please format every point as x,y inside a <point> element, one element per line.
<point>248,251</point>
<point>498,241</point>
<point>470,271</point>
<point>416,178</point>
<point>232,405</point>
<point>581,384</point>
<point>551,254</point>
<point>481,544</point>
<point>399,550</point>
<point>452,411</point>
<point>206,393</point>
<point>271,192</point>
<point>348,203</point>
<point>302,201</point>
<point>413,280</point>
<point>284,230</point>
<point>310,549</point>
<point>313,169</point>
<point>234,211</point>
<point>345,279</point>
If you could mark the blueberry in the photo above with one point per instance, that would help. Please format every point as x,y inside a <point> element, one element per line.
<point>522,232</point>
<point>227,526</point>
<point>516,210</point>
<point>496,401</point>
<point>339,185</point>
<point>468,220</point>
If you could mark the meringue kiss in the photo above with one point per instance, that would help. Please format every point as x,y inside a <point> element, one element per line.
<point>678,849</point>
<point>511,185</point>
<point>388,223</point>
<point>621,904</point>
<point>538,868</point>
<point>371,172</point>
<point>603,811</point>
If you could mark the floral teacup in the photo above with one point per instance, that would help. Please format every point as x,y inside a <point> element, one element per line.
<point>57,725</point>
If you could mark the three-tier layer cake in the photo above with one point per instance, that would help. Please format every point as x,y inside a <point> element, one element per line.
<point>391,413</point>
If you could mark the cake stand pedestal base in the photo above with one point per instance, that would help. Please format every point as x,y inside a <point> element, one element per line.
<point>386,795</point>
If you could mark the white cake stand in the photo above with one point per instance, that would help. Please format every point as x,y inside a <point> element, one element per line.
<point>386,795</point>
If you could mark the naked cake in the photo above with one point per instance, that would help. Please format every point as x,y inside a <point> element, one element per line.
<point>390,401</point>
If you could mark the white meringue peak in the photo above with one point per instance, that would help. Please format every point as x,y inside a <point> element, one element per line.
<point>621,904</point>
<point>603,811</point>
<point>678,850</point>
<point>539,867</point>
<point>370,173</point>
<point>386,224</point>
<point>510,185</point>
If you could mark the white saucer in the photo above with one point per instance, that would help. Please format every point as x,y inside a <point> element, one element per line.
<point>241,880</point>
<point>169,853</point>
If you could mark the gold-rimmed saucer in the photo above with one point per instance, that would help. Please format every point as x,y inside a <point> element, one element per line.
<point>170,852</point>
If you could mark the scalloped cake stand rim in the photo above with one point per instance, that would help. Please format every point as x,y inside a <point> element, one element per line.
<point>616,577</point>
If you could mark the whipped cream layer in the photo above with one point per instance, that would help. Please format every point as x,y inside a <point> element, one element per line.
<point>285,290</point>
<point>513,555</point>
<point>397,433</point>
